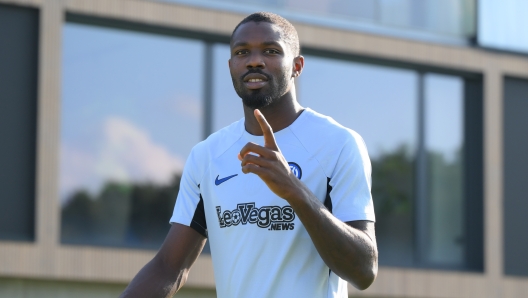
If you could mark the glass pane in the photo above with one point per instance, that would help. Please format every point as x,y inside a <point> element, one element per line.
<point>441,17</point>
<point>131,112</point>
<point>515,203</point>
<point>361,9</point>
<point>19,32</point>
<point>227,106</point>
<point>502,24</point>
<point>380,104</point>
<point>444,116</point>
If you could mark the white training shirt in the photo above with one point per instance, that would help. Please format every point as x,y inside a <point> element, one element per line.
<point>259,246</point>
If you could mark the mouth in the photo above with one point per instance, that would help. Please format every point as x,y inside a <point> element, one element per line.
<point>255,80</point>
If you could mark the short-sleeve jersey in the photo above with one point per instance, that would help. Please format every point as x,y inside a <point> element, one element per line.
<point>259,247</point>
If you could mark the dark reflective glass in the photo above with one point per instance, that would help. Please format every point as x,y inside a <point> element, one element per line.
<point>19,30</point>
<point>515,187</point>
<point>131,112</point>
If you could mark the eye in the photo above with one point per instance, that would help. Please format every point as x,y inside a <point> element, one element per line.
<point>241,52</point>
<point>271,51</point>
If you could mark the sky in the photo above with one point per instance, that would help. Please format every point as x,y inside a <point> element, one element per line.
<point>131,106</point>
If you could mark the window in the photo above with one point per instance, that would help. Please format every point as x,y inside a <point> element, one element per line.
<point>515,164</point>
<point>362,97</point>
<point>134,104</point>
<point>227,106</point>
<point>416,127</point>
<point>445,20</point>
<point>494,32</point>
<point>131,112</point>
<point>18,114</point>
<point>443,205</point>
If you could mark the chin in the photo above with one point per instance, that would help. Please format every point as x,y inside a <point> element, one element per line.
<point>257,102</point>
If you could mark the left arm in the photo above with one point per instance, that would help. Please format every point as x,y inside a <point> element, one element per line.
<point>349,249</point>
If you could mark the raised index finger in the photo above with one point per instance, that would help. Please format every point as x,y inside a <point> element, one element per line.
<point>269,138</point>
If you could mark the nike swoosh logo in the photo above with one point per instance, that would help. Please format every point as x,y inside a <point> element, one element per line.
<point>220,181</point>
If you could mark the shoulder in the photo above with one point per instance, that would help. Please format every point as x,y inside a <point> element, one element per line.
<point>316,129</point>
<point>218,142</point>
<point>207,150</point>
<point>327,140</point>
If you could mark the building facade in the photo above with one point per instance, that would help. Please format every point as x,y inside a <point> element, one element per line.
<point>102,100</point>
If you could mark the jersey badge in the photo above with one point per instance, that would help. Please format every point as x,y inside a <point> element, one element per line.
<point>296,169</point>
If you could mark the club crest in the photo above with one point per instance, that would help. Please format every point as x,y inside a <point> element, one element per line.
<point>296,169</point>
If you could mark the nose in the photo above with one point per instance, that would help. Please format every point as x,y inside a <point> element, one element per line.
<point>255,60</point>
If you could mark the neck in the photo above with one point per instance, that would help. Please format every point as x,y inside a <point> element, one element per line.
<point>279,115</point>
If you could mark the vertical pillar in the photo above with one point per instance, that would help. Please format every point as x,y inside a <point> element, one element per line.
<point>208,89</point>
<point>48,132</point>
<point>421,208</point>
<point>493,175</point>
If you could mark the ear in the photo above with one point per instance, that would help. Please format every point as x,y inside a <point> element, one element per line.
<point>298,65</point>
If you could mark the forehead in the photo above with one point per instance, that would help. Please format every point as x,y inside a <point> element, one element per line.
<point>257,33</point>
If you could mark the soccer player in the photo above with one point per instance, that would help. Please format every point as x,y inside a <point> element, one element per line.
<point>292,216</point>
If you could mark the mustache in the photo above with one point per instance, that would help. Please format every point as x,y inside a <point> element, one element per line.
<point>256,70</point>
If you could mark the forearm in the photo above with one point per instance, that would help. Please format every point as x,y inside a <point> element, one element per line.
<point>155,279</point>
<point>347,251</point>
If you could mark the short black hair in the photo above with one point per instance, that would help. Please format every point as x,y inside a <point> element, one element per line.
<point>289,34</point>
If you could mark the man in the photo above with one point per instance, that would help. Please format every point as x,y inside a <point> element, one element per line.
<point>291,217</point>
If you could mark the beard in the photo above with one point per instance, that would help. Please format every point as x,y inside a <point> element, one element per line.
<point>263,97</point>
<point>256,100</point>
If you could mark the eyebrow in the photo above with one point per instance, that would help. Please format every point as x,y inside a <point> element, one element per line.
<point>266,43</point>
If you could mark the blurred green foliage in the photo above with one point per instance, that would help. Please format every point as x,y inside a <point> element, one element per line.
<point>392,182</point>
<point>123,215</point>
